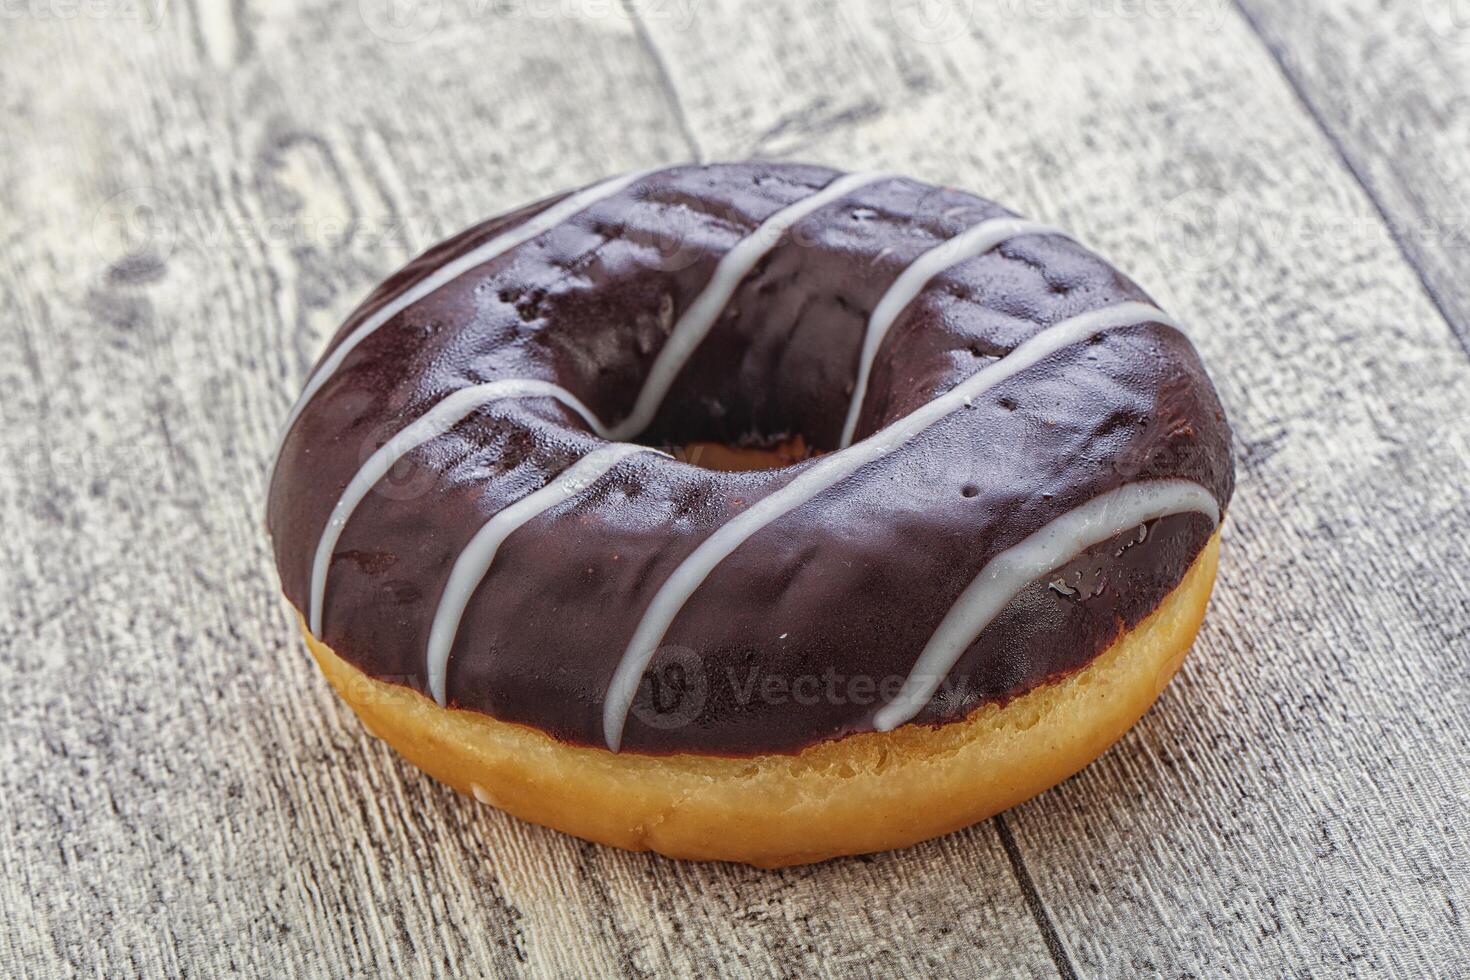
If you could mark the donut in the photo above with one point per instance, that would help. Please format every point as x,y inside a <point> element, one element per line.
<point>755,511</point>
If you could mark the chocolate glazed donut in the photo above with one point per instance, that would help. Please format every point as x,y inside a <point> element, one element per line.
<point>1018,457</point>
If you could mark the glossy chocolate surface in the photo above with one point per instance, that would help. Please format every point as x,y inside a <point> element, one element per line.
<point>795,637</point>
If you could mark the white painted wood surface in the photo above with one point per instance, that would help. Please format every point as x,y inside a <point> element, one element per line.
<point>193,195</point>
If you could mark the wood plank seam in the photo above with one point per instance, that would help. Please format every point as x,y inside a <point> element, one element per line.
<point>1460,331</point>
<point>665,80</point>
<point>1034,902</point>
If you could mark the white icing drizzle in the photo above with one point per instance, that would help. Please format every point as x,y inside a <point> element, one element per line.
<point>973,241</point>
<point>823,473</point>
<point>474,561</point>
<point>495,247</point>
<point>435,422</point>
<point>1009,572</point>
<point>732,269</point>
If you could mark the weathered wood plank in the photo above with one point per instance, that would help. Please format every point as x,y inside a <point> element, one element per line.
<point>1390,83</point>
<point>1285,808</point>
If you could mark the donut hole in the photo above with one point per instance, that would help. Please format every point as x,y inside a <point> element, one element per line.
<point>756,402</point>
<point>745,425</point>
<point>733,458</point>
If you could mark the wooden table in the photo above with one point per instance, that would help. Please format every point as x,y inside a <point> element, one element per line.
<point>192,196</point>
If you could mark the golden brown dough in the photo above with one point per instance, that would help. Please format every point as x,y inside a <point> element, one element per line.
<point>866,792</point>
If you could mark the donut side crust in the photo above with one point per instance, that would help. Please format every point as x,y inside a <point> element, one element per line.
<point>866,792</point>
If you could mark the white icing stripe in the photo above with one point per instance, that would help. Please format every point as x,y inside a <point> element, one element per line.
<point>732,269</point>
<point>1012,570</point>
<point>474,561</point>
<point>973,241</point>
<point>433,423</point>
<point>495,247</point>
<point>823,473</point>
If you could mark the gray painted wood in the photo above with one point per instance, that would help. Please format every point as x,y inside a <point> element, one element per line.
<point>180,792</point>
<point>1390,84</point>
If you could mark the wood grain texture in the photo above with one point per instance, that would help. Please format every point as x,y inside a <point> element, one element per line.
<point>1389,82</point>
<point>192,202</point>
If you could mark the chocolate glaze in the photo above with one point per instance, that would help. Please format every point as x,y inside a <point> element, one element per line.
<point>798,635</point>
